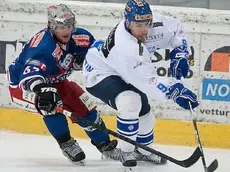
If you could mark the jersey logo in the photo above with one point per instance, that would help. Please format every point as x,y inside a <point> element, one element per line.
<point>155,37</point>
<point>29,96</point>
<point>57,53</point>
<point>157,24</point>
<point>42,66</point>
<point>37,39</point>
<point>87,101</point>
<point>153,81</point>
<point>66,61</point>
<point>181,33</point>
<point>82,40</point>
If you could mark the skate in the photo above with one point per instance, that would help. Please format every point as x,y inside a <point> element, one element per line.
<point>106,146</point>
<point>73,152</point>
<point>155,159</point>
<point>108,150</point>
<point>128,159</point>
<point>114,154</point>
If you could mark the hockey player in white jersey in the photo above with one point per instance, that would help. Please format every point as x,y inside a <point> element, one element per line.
<point>120,73</point>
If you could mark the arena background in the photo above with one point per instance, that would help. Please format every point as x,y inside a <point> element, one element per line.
<point>209,33</point>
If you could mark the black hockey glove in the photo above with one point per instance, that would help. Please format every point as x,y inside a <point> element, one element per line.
<point>47,99</point>
<point>78,60</point>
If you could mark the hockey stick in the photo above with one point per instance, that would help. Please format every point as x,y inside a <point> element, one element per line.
<point>183,163</point>
<point>213,166</point>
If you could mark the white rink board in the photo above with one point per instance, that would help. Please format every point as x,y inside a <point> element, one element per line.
<point>207,30</point>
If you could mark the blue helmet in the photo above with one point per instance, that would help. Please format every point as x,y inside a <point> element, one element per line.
<point>137,11</point>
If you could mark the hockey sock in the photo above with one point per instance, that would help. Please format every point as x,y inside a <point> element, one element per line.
<point>95,135</point>
<point>58,127</point>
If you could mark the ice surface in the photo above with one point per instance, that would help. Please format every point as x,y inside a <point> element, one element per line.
<point>33,153</point>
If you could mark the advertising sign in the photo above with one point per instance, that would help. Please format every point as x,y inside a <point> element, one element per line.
<point>215,78</point>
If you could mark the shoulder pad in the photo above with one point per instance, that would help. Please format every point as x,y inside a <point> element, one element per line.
<point>42,41</point>
<point>79,31</point>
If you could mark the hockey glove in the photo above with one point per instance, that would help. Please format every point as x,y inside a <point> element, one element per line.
<point>182,96</point>
<point>47,99</point>
<point>179,62</point>
<point>78,61</point>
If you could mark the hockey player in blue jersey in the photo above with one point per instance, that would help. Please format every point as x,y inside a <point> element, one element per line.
<point>38,81</point>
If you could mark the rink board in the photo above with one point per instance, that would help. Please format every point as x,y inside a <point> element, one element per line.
<point>208,33</point>
<point>169,132</point>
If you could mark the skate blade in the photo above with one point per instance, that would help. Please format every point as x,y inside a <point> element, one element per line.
<point>81,163</point>
<point>105,158</point>
<point>129,169</point>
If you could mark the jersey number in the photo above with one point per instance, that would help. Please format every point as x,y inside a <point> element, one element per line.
<point>30,69</point>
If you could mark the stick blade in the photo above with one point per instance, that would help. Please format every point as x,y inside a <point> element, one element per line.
<point>213,166</point>
<point>193,158</point>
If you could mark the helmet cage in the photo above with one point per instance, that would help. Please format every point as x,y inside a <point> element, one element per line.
<point>60,15</point>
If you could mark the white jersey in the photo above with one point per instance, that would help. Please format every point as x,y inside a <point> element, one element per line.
<point>166,32</point>
<point>123,55</point>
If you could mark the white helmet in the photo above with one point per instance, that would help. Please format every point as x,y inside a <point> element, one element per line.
<point>60,15</point>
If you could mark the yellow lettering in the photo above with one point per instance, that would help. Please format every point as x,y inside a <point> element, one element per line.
<point>143,17</point>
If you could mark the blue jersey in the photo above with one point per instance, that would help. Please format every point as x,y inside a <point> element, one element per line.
<point>45,58</point>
